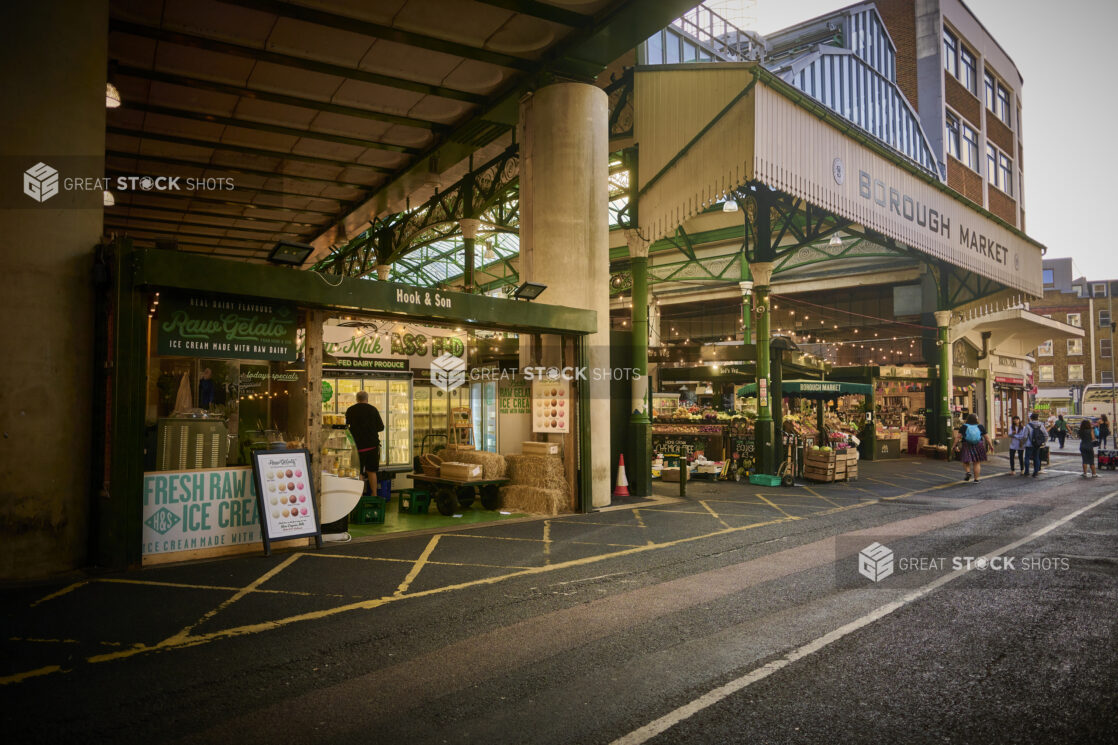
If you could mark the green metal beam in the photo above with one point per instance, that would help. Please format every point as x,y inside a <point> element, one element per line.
<point>201,197</point>
<point>262,95</point>
<point>286,60</point>
<point>261,243</point>
<point>111,215</point>
<point>543,11</point>
<point>205,274</point>
<point>186,163</point>
<point>260,152</point>
<point>308,134</point>
<point>379,31</point>
<point>259,253</point>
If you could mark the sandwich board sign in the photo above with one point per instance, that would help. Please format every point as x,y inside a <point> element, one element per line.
<point>285,496</point>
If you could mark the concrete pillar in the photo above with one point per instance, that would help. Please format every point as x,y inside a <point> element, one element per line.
<point>564,230</point>
<point>469,228</point>
<point>383,270</point>
<point>55,60</point>
<point>640,424</point>
<point>943,397</point>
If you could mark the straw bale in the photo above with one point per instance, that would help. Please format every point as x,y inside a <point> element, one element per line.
<point>493,465</point>
<point>533,499</point>
<point>543,471</point>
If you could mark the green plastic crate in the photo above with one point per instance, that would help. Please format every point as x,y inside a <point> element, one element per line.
<point>414,501</point>
<point>764,479</point>
<point>369,511</point>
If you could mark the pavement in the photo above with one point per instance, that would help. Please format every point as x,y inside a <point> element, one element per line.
<point>593,628</point>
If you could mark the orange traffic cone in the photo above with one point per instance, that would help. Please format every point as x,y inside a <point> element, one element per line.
<point>622,488</point>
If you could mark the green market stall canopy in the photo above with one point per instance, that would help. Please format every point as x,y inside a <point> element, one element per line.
<point>813,389</point>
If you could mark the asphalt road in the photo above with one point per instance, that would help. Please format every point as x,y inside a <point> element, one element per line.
<point>736,615</point>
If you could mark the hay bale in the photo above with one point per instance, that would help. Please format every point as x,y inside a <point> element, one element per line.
<point>533,499</point>
<point>493,465</point>
<point>542,482</point>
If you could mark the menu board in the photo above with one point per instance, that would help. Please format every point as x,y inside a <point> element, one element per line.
<point>285,496</point>
<point>551,406</point>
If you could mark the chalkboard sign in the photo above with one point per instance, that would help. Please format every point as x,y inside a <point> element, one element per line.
<point>285,496</point>
<point>685,444</point>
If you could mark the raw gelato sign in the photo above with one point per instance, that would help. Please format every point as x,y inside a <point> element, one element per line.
<point>192,510</point>
<point>226,327</point>
<point>388,345</point>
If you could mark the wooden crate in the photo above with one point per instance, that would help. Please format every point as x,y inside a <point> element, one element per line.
<point>814,473</point>
<point>539,448</point>
<point>460,470</point>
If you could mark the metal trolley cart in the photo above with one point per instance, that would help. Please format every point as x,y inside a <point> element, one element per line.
<point>448,494</point>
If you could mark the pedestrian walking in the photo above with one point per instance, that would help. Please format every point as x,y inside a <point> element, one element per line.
<point>1087,447</point>
<point>1061,430</point>
<point>1018,441</point>
<point>972,443</point>
<point>1034,444</point>
<point>1050,426</point>
<point>1104,431</point>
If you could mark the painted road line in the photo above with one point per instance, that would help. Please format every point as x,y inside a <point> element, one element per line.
<point>717,517</point>
<point>546,541</point>
<point>60,593</point>
<point>669,720</point>
<point>770,504</point>
<point>814,493</point>
<point>20,677</point>
<point>417,567</point>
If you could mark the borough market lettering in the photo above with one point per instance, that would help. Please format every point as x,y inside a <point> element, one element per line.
<point>914,211</point>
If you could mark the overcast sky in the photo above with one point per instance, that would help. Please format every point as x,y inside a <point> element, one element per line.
<point>1064,52</point>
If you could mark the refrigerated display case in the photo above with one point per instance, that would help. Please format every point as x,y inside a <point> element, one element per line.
<point>392,398</point>
<point>432,408</point>
<point>483,403</point>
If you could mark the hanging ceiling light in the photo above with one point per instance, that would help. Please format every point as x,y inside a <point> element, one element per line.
<point>729,206</point>
<point>489,254</point>
<point>835,242</point>
<point>108,199</point>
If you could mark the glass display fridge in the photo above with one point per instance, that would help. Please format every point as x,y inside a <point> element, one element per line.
<point>390,395</point>
<point>432,407</point>
<point>483,404</point>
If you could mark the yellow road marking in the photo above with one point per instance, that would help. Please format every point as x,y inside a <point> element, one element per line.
<point>34,640</point>
<point>20,677</point>
<point>770,504</point>
<point>640,519</point>
<point>417,567</point>
<point>812,491</point>
<point>711,511</point>
<point>186,586</point>
<point>60,593</point>
<point>412,561</point>
<point>251,587</point>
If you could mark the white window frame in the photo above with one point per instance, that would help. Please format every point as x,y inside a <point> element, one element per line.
<point>1075,319</point>
<point>1046,373</point>
<point>1005,173</point>
<point>1104,318</point>
<point>954,136</point>
<point>968,71</point>
<point>970,154</point>
<point>1003,108</point>
<point>1096,291</point>
<point>1075,347</point>
<point>991,164</point>
<point>989,87</point>
<point>951,53</point>
<point>1072,377</point>
<point>1044,349</point>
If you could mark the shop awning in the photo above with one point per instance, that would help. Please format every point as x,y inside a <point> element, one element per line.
<point>813,389</point>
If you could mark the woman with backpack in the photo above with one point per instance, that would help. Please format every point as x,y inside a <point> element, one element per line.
<point>972,442</point>
<point>1104,431</point>
<point>1035,443</point>
<point>1087,447</point>
<point>1018,441</point>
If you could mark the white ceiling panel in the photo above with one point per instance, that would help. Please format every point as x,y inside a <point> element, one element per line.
<point>202,63</point>
<point>318,42</point>
<point>376,97</point>
<point>219,20</point>
<point>274,113</point>
<point>476,77</point>
<point>294,82</point>
<point>445,19</point>
<point>411,63</point>
<point>349,126</point>
<point>257,139</point>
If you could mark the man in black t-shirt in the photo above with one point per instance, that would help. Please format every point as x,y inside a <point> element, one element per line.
<point>365,425</point>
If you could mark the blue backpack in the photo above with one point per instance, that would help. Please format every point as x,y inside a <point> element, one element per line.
<point>973,435</point>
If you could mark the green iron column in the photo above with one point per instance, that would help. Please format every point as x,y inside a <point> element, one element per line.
<point>746,285</point>
<point>943,381</point>
<point>763,430</point>
<point>640,425</point>
<point>469,228</point>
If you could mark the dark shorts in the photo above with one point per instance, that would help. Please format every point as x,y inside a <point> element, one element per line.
<point>1088,456</point>
<point>370,459</point>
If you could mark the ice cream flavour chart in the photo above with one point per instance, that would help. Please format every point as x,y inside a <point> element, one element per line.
<point>551,406</point>
<point>285,492</point>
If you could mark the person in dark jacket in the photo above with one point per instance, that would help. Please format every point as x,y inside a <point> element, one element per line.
<point>1087,447</point>
<point>973,443</point>
<point>1018,441</point>
<point>1061,430</point>
<point>365,425</point>
<point>1034,444</point>
<point>1104,431</point>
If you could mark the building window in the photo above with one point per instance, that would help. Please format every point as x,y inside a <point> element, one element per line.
<point>1078,290</point>
<point>1098,289</point>
<point>1046,373</point>
<point>1005,173</point>
<point>1104,319</point>
<point>1105,376</point>
<point>1049,277</point>
<point>1075,346</point>
<point>654,49</point>
<point>1075,372</point>
<point>1003,105</point>
<point>1105,349</point>
<point>953,143</point>
<point>1045,349</point>
<point>950,53</point>
<point>968,70</point>
<point>990,88</point>
<point>970,147</point>
<point>991,164</point>
<point>1075,319</point>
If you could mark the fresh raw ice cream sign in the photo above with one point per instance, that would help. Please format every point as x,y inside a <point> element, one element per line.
<point>192,510</point>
